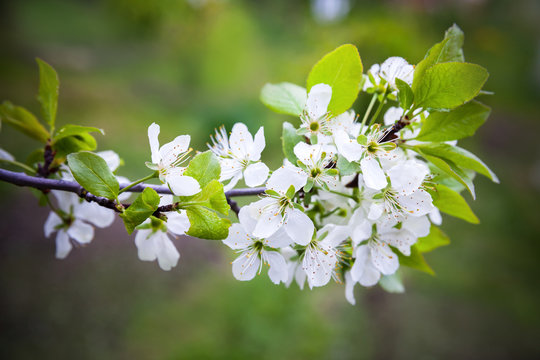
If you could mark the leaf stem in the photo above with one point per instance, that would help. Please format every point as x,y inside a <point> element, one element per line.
<point>368,111</point>
<point>379,109</point>
<point>19,164</point>
<point>151,176</point>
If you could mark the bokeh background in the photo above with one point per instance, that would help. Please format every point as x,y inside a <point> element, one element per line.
<point>192,65</point>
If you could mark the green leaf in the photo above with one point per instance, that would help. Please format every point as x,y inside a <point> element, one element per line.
<point>415,260</point>
<point>23,120</point>
<point>392,283</point>
<point>73,144</point>
<point>284,98</point>
<point>74,130</point>
<point>435,239</point>
<point>447,50</point>
<point>93,174</point>
<point>452,203</point>
<point>345,167</point>
<point>144,205</point>
<point>342,70</point>
<point>459,156</point>
<point>48,92</point>
<point>204,167</point>
<point>206,224</point>
<point>405,95</point>
<point>451,169</point>
<point>289,140</point>
<point>454,125</point>
<point>212,196</point>
<point>448,85</point>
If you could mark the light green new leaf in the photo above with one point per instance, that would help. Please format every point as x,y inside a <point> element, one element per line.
<point>342,70</point>
<point>23,120</point>
<point>48,92</point>
<point>289,139</point>
<point>415,260</point>
<point>459,156</point>
<point>405,95</point>
<point>454,125</point>
<point>448,85</point>
<point>284,98</point>
<point>212,196</point>
<point>144,205</point>
<point>447,50</point>
<point>435,239</point>
<point>206,224</point>
<point>451,169</point>
<point>204,167</point>
<point>74,130</point>
<point>93,174</point>
<point>73,144</point>
<point>452,203</point>
<point>345,167</point>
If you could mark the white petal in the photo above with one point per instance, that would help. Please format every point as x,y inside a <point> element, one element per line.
<point>241,141</point>
<point>171,151</point>
<point>93,213</point>
<point>230,168</point>
<point>400,239</point>
<point>396,67</point>
<point>418,203</point>
<point>336,234</point>
<point>66,200</point>
<point>256,174</point>
<point>392,115</point>
<point>408,176</point>
<point>375,211</point>
<point>63,245</point>
<point>363,270</point>
<point>307,154</point>
<point>165,199</point>
<point>182,185</point>
<point>435,216</point>
<point>111,158</point>
<point>278,267</point>
<point>279,239</point>
<point>51,223</point>
<point>370,277</point>
<point>246,218</point>
<point>383,258</point>
<point>80,231</point>
<point>374,176</point>
<point>300,276</point>
<point>318,99</point>
<point>299,227</point>
<point>125,195</point>
<point>232,183</point>
<point>419,226</point>
<point>178,222</point>
<point>319,266</point>
<point>146,247</point>
<point>245,267</point>
<point>153,132</point>
<point>349,148</point>
<point>4,155</point>
<point>258,145</point>
<point>349,288</point>
<point>361,232</point>
<point>237,238</point>
<point>284,177</point>
<point>167,254</point>
<point>267,224</point>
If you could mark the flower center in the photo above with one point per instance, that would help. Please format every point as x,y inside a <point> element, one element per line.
<point>314,126</point>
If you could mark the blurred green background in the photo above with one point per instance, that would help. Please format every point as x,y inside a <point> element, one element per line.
<point>194,65</point>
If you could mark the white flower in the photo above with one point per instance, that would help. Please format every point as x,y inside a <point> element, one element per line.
<point>166,160</point>
<point>153,242</point>
<point>256,252</point>
<point>368,149</point>
<point>315,116</point>
<point>277,208</point>
<point>4,155</point>
<point>240,155</point>
<point>391,69</point>
<point>73,222</point>
<point>314,161</point>
<point>319,260</point>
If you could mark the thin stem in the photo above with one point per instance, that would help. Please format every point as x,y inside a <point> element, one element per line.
<point>19,164</point>
<point>136,182</point>
<point>342,194</point>
<point>368,111</point>
<point>379,109</point>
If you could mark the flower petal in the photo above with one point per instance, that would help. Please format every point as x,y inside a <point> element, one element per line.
<point>146,247</point>
<point>178,222</point>
<point>111,158</point>
<point>349,148</point>
<point>349,288</point>
<point>418,203</point>
<point>419,226</point>
<point>171,151</point>
<point>256,174</point>
<point>258,146</point>
<point>246,266</point>
<point>408,176</point>
<point>167,254</point>
<point>51,223</point>
<point>267,224</point>
<point>93,213</point>
<point>182,185</point>
<point>241,141</point>
<point>284,177</point>
<point>63,245</point>
<point>374,176</point>
<point>278,267</point>
<point>153,132</point>
<point>318,99</point>
<point>237,238</point>
<point>400,239</point>
<point>81,231</point>
<point>4,155</point>
<point>247,220</point>
<point>299,227</point>
<point>383,258</point>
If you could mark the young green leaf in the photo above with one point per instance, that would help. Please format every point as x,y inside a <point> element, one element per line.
<point>93,174</point>
<point>206,224</point>
<point>48,92</point>
<point>73,144</point>
<point>459,156</point>
<point>204,167</point>
<point>405,95</point>
<point>455,124</point>
<point>415,260</point>
<point>144,205</point>
<point>284,98</point>
<point>448,85</point>
<point>212,196</point>
<point>347,168</point>
<point>341,69</point>
<point>23,120</point>
<point>74,130</point>
<point>435,239</point>
<point>450,202</point>
<point>289,140</point>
